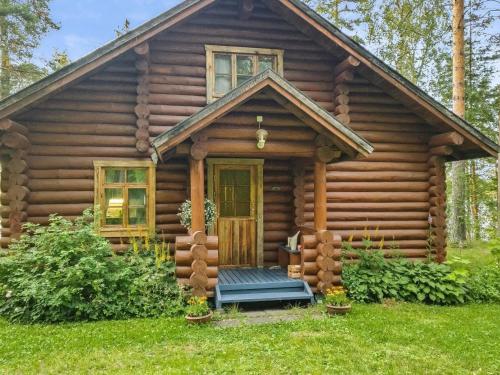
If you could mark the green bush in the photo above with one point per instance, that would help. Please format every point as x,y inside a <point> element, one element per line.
<point>374,279</point>
<point>483,285</point>
<point>67,272</point>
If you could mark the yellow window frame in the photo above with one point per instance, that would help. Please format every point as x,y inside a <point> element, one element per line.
<point>100,184</point>
<point>212,50</point>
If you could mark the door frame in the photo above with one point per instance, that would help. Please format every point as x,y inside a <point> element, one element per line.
<point>259,166</point>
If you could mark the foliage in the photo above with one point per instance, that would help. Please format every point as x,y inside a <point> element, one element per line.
<point>22,25</point>
<point>185,213</point>
<point>197,306</point>
<point>336,296</point>
<point>376,339</point>
<point>374,279</point>
<point>67,272</point>
<point>483,286</point>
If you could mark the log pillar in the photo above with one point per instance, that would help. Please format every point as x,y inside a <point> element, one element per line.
<point>298,193</point>
<point>15,192</point>
<point>320,195</point>
<point>142,108</point>
<point>197,187</point>
<point>437,210</point>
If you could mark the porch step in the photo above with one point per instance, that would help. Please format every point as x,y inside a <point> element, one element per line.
<point>259,285</point>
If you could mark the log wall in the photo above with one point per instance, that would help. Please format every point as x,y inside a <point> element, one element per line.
<point>385,195</point>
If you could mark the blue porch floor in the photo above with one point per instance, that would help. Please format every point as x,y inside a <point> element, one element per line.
<point>241,285</point>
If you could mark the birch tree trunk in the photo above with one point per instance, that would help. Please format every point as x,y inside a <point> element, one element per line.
<point>458,229</point>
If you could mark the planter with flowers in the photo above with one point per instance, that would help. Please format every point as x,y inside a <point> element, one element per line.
<point>337,302</point>
<point>198,311</point>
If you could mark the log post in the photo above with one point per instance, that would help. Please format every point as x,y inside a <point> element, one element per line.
<point>320,213</point>
<point>142,109</point>
<point>15,138</point>
<point>437,210</point>
<point>298,193</point>
<point>197,182</point>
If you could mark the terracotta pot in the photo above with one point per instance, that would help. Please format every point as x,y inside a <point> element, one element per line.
<point>338,310</point>
<point>199,319</point>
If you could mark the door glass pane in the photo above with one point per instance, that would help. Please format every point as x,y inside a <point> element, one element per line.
<point>266,62</point>
<point>136,175</point>
<point>114,175</point>
<point>234,193</point>
<point>113,210</point>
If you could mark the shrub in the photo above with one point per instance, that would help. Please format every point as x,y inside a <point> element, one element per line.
<point>373,279</point>
<point>67,272</point>
<point>484,285</point>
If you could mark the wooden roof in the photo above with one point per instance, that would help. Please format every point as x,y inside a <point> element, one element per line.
<point>285,94</point>
<point>294,11</point>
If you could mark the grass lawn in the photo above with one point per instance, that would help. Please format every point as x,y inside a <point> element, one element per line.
<point>476,253</point>
<point>402,338</point>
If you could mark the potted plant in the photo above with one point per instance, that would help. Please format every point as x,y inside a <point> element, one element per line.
<point>337,302</point>
<point>185,214</point>
<point>198,311</point>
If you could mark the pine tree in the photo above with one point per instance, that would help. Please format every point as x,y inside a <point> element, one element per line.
<point>22,25</point>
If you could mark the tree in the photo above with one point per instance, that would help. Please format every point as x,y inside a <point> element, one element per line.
<point>58,60</point>
<point>22,25</point>
<point>458,228</point>
<point>123,29</point>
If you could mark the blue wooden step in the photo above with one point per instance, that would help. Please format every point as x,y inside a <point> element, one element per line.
<point>259,285</point>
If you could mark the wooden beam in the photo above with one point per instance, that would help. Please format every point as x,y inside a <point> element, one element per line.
<point>446,139</point>
<point>142,49</point>
<point>320,217</point>
<point>197,182</point>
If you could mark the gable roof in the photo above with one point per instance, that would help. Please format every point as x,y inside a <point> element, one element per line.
<point>87,64</point>
<point>296,102</point>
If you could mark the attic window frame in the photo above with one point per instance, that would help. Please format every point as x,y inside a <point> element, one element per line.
<point>212,50</point>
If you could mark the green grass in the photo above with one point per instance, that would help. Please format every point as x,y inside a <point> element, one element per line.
<point>476,253</point>
<point>397,339</point>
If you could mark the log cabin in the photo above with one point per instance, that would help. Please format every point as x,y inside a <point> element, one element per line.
<point>262,106</point>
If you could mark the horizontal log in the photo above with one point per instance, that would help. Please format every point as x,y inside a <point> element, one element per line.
<point>369,215</point>
<point>446,139</point>
<point>81,140</point>
<point>7,125</point>
<point>60,197</point>
<point>88,129</point>
<point>63,116</point>
<point>372,197</point>
<point>69,209</point>
<point>373,206</point>
<point>348,64</point>
<point>382,224</point>
<point>242,132</point>
<point>362,166</point>
<point>382,176</point>
<point>61,174</point>
<point>441,150</point>
<point>185,258</point>
<point>186,271</point>
<point>387,234</point>
<point>373,186</point>
<point>15,140</point>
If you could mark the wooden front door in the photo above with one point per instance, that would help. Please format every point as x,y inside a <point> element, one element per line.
<point>235,193</point>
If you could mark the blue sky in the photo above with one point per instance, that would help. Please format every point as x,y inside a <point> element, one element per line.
<point>87,24</point>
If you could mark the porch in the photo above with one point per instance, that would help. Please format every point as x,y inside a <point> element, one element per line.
<point>226,164</point>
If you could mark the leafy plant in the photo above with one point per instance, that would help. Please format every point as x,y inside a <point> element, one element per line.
<point>336,296</point>
<point>66,272</point>
<point>185,214</point>
<point>373,279</point>
<point>197,306</point>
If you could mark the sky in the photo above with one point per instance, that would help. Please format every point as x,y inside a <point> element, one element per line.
<point>88,24</point>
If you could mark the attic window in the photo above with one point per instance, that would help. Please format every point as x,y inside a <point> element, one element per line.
<point>228,67</point>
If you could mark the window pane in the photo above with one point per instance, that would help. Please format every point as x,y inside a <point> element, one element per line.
<point>222,64</point>
<point>222,84</point>
<point>114,175</point>
<point>137,216</point>
<point>244,65</point>
<point>242,209</point>
<point>241,79</point>
<point>136,175</point>
<point>136,197</point>
<point>113,210</point>
<point>266,62</point>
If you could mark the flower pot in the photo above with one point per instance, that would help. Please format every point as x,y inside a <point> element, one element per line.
<point>338,310</point>
<point>199,319</point>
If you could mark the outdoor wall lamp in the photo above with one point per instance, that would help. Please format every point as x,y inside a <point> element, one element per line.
<point>261,134</point>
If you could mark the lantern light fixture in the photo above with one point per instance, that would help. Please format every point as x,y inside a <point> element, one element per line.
<point>261,134</point>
